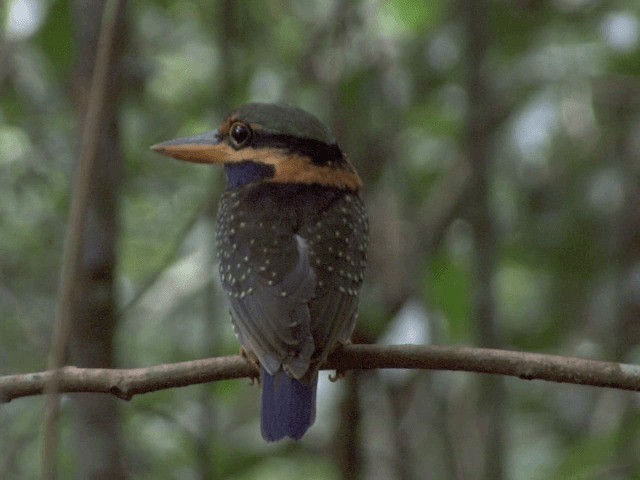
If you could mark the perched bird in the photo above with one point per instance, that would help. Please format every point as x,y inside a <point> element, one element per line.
<point>291,237</point>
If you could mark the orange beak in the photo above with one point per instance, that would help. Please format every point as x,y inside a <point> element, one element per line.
<point>204,148</point>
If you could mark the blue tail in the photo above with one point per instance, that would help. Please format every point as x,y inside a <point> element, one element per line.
<point>288,406</point>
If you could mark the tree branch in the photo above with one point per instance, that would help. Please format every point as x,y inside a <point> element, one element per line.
<point>125,383</point>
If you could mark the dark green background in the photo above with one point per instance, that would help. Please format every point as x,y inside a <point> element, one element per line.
<point>559,125</point>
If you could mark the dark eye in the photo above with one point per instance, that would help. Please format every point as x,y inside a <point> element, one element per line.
<point>240,134</point>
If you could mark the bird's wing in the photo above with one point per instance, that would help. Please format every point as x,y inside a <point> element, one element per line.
<point>338,245</point>
<point>272,319</point>
<point>336,313</point>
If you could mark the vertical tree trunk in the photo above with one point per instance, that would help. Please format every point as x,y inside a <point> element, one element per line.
<point>617,100</point>
<point>347,450</point>
<point>226,37</point>
<point>492,391</point>
<point>98,446</point>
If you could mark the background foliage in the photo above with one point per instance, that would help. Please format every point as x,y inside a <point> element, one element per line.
<point>499,145</point>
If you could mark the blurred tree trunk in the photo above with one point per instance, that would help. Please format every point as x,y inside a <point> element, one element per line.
<point>479,132</point>
<point>347,450</point>
<point>98,443</point>
<point>205,441</point>
<point>618,99</point>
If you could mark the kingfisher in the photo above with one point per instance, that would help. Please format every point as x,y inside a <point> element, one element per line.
<point>291,236</point>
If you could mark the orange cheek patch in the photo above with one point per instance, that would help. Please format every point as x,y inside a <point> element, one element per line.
<point>298,169</point>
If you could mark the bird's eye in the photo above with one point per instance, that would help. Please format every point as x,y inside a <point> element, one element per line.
<point>240,134</point>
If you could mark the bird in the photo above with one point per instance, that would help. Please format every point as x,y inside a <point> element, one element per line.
<point>291,238</point>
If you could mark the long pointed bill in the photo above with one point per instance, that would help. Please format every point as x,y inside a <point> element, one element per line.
<point>204,148</point>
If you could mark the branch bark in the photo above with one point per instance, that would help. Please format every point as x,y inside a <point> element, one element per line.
<point>125,383</point>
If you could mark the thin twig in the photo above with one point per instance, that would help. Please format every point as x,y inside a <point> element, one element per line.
<point>125,383</point>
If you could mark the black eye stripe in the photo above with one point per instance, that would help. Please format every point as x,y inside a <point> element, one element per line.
<point>319,152</point>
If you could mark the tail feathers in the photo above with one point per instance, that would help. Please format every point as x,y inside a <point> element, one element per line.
<point>288,406</point>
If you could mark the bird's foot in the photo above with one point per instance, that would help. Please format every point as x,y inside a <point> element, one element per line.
<point>338,375</point>
<point>340,372</point>
<point>253,360</point>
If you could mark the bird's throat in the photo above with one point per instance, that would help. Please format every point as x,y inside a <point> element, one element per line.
<point>243,173</point>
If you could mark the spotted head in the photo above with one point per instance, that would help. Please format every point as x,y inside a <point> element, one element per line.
<point>265,142</point>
